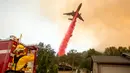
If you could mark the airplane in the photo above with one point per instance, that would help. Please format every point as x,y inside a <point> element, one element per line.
<point>74,13</point>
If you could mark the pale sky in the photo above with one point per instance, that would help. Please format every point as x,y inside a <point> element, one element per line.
<point>106,22</point>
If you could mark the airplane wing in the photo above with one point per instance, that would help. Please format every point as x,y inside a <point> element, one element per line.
<point>79,16</point>
<point>68,13</point>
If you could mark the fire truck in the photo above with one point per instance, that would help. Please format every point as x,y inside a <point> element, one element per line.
<point>7,47</point>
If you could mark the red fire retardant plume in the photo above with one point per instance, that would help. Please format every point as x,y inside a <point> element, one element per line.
<point>65,41</point>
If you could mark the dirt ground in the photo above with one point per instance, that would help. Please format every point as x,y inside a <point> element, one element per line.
<point>65,72</point>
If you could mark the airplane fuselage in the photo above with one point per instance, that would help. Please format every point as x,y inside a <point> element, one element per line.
<point>79,7</point>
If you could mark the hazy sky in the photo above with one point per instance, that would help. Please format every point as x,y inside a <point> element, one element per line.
<point>106,22</point>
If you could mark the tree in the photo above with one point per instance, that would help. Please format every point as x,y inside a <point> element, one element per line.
<point>92,52</point>
<point>72,58</point>
<point>112,51</point>
<point>46,59</point>
<point>63,59</point>
<point>122,49</point>
<point>129,49</point>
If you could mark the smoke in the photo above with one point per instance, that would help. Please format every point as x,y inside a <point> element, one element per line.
<point>106,21</point>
